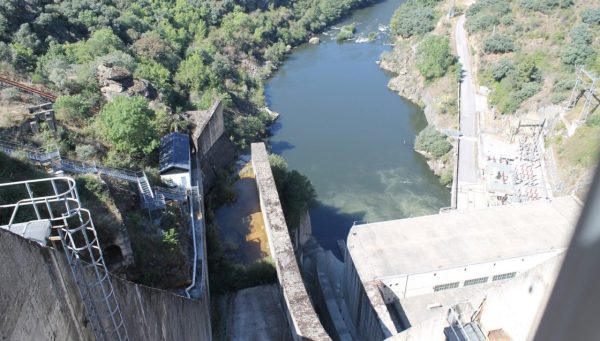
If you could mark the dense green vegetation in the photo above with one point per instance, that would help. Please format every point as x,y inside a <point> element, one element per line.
<point>346,32</point>
<point>432,142</point>
<point>414,17</point>
<point>295,191</point>
<point>514,82</point>
<point>579,50</point>
<point>498,43</point>
<point>434,57</point>
<point>192,52</point>
<point>131,128</point>
<point>486,14</point>
<point>545,6</point>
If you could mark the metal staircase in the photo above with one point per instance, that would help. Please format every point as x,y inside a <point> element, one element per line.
<point>148,199</point>
<point>56,201</point>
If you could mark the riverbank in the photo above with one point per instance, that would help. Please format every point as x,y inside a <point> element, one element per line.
<point>438,98</point>
<point>350,135</point>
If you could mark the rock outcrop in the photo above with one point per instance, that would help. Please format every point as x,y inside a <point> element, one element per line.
<point>116,80</point>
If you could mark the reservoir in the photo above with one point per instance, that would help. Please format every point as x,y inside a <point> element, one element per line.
<point>349,134</point>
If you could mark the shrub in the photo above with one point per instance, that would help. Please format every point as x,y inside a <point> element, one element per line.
<point>485,14</point>
<point>275,52</point>
<point>72,107</point>
<point>581,35</point>
<point>559,97</point>
<point>346,33</point>
<point>502,69</point>
<point>498,43</point>
<point>433,142</point>
<point>434,57</point>
<point>545,6</point>
<point>446,177</point>
<point>481,23</point>
<point>412,18</point>
<point>85,152</point>
<point>593,120</point>
<point>591,16</point>
<point>563,85</point>
<point>579,50</point>
<point>154,72</point>
<point>295,190</point>
<point>527,91</point>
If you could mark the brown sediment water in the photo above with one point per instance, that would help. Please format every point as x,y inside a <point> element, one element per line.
<point>241,223</point>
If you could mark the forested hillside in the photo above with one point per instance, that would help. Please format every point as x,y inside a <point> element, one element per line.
<point>190,52</point>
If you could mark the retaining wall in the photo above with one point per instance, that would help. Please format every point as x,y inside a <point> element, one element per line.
<point>301,316</point>
<point>40,301</point>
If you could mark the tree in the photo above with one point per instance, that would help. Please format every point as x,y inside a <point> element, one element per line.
<point>433,142</point>
<point>101,42</point>
<point>502,69</point>
<point>296,192</point>
<point>412,18</point>
<point>591,16</point>
<point>193,72</point>
<point>127,124</point>
<point>157,74</point>
<point>72,107</point>
<point>579,51</point>
<point>434,57</point>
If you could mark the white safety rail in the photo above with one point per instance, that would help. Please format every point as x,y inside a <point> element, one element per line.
<point>56,200</point>
<point>149,200</point>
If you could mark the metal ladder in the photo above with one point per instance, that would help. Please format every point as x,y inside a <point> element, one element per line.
<point>79,240</point>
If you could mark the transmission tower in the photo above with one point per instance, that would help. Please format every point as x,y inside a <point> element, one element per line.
<point>585,86</point>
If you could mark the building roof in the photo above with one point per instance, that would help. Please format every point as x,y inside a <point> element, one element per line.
<point>174,152</point>
<point>449,240</point>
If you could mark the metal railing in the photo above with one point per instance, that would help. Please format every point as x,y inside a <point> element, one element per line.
<point>149,200</point>
<point>75,229</point>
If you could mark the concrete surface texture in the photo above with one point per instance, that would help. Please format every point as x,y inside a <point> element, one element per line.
<point>43,302</point>
<point>513,306</point>
<point>467,162</point>
<point>303,321</point>
<point>255,314</point>
<point>378,254</point>
<point>443,241</point>
<point>209,127</point>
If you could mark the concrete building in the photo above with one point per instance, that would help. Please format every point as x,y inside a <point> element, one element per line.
<point>175,160</point>
<point>401,275</point>
<point>212,147</point>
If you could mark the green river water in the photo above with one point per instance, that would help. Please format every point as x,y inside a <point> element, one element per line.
<point>353,137</point>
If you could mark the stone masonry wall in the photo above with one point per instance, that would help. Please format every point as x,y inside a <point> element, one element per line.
<point>302,318</point>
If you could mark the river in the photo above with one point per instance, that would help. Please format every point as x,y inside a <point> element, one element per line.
<point>349,134</point>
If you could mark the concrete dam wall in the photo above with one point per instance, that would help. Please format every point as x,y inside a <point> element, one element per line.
<point>40,301</point>
<point>301,316</point>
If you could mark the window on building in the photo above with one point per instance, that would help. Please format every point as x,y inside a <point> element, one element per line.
<point>475,281</point>
<point>446,286</point>
<point>504,276</point>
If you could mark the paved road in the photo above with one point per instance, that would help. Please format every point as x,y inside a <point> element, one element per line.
<point>467,161</point>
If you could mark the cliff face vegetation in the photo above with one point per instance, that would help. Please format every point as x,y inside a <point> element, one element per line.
<point>170,56</point>
<point>426,72</point>
<point>528,53</point>
<point>126,72</point>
